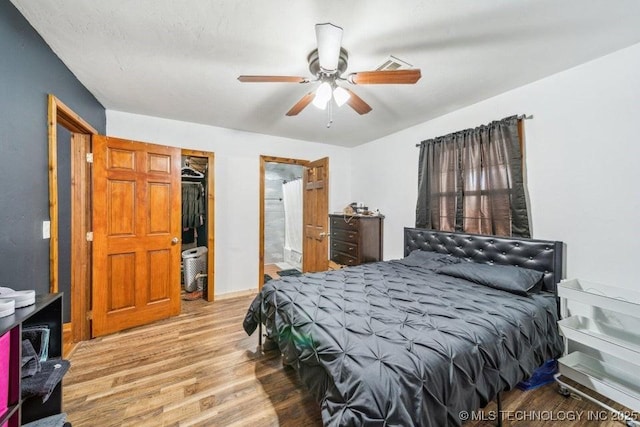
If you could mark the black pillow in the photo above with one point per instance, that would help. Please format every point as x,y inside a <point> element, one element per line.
<point>517,280</point>
<point>428,259</point>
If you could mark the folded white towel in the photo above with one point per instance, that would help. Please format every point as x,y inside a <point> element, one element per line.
<point>20,298</point>
<point>7,307</point>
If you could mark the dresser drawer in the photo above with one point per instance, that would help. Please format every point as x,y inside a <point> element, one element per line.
<point>340,222</point>
<point>345,247</point>
<point>344,259</point>
<point>350,236</point>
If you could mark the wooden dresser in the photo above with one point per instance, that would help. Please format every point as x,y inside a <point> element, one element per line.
<point>355,239</point>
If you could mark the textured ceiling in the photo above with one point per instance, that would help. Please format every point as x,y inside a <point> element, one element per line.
<point>180,59</point>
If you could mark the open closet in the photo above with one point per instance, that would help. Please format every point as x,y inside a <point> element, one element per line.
<point>196,258</point>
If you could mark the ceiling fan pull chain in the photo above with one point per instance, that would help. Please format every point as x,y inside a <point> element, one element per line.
<point>329,113</point>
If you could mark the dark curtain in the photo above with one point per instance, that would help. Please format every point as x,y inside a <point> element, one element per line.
<point>472,181</point>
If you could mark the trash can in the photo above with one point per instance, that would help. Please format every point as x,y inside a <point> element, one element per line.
<point>194,262</point>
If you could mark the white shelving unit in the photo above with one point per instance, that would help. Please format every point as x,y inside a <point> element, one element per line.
<point>615,375</point>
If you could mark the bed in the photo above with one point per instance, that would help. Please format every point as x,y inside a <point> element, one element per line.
<point>402,343</point>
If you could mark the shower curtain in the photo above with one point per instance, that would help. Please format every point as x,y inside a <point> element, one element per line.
<point>292,200</point>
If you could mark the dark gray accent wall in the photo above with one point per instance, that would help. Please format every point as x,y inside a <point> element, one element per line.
<point>29,70</point>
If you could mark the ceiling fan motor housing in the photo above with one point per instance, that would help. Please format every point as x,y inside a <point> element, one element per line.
<point>316,70</point>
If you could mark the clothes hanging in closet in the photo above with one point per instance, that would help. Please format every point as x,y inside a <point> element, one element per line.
<point>188,236</point>
<point>201,235</point>
<point>193,212</point>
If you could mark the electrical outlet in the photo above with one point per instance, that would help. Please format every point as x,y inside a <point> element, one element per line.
<point>46,229</point>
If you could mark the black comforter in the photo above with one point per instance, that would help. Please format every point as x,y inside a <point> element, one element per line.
<point>391,344</point>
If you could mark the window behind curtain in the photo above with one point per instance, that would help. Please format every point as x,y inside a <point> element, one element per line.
<point>472,181</point>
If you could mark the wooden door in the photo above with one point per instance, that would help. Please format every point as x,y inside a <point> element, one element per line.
<point>136,233</point>
<point>316,216</point>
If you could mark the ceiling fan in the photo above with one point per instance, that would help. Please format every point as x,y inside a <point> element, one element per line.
<point>327,64</point>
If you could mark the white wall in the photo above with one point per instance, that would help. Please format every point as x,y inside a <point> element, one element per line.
<point>583,160</point>
<point>237,178</point>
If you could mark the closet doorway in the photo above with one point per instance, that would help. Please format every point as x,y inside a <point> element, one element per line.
<point>293,217</point>
<point>198,204</point>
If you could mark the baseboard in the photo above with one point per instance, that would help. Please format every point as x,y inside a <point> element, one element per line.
<point>67,340</point>
<point>67,334</point>
<point>236,294</point>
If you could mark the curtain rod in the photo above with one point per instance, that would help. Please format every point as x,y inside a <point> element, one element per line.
<point>520,117</point>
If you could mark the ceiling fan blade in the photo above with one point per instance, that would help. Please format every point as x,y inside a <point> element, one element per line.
<point>272,79</point>
<point>357,103</point>
<point>385,77</point>
<point>301,105</point>
<point>329,38</point>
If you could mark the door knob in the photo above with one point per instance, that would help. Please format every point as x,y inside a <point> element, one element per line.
<point>175,241</point>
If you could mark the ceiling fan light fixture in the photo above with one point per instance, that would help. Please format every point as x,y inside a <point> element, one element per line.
<point>323,95</point>
<point>329,39</point>
<point>328,64</point>
<point>341,95</point>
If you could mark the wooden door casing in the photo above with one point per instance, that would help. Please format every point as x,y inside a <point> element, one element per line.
<point>316,216</point>
<point>80,295</point>
<point>60,114</point>
<point>136,214</point>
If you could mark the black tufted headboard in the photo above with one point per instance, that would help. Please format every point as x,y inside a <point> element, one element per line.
<point>540,255</point>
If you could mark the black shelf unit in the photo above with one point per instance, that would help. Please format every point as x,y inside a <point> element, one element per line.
<point>46,311</point>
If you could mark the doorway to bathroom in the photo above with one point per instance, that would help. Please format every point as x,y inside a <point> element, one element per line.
<point>293,217</point>
<point>282,219</point>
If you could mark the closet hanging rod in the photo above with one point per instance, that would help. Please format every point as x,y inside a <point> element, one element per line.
<point>189,172</point>
<point>274,198</point>
<point>192,182</point>
<point>520,117</point>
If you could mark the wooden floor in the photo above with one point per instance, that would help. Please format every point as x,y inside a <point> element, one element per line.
<point>201,369</point>
<point>272,270</point>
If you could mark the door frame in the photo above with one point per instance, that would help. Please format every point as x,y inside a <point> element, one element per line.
<point>263,160</point>
<point>210,295</point>
<point>60,114</point>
